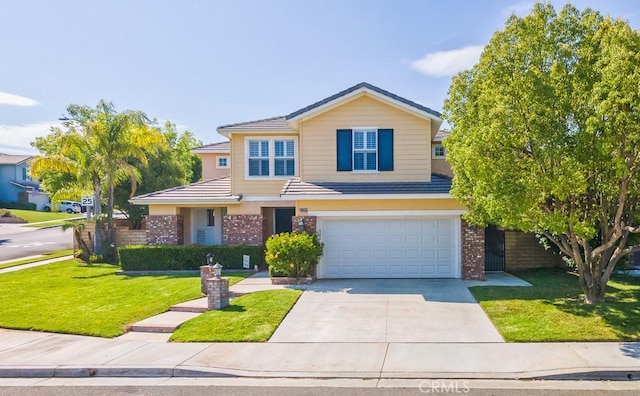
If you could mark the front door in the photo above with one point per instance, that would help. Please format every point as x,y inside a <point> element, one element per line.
<point>283,219</point>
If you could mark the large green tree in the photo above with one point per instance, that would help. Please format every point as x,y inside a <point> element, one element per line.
<point>95,148</point>
<point>546,135</point>
<point>171,165</point>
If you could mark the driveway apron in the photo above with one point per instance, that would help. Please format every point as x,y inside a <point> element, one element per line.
<point>387,310</point>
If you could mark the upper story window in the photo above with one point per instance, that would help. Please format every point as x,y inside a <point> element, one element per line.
<point>364,150</point>
<point>222,162</point>
<point>24,173</point>
<point>271,157</point>
<point>258,158</point>
<point>439,152</point>
<point>284,163</point>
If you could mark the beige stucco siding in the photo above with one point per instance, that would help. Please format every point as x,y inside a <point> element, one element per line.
<point>379,204</point>
<point>210,168</point>
<point>412,142</point>
<point>163,210</point>
<point>255,207</point>
<point>441,166</point>
<point>267,187</point>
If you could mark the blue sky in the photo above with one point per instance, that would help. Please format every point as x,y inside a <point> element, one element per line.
<point>202,64</point>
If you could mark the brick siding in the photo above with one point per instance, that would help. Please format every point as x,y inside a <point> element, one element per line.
<point>165,229</point>
<point>472,252</point>
<point>523,251</point>
<point>242,230</point>
<point>310,223</point>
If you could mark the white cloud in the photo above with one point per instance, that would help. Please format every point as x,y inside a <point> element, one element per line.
<point>448,63</point>
<point>16,139</point>
<point>16,100</point>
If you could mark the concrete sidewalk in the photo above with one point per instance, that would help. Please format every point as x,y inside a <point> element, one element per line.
<point>35,354</point>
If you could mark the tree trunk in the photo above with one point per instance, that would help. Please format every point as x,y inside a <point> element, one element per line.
<point>97,210</point>
<point>593,282</point>
<point>110,216</point>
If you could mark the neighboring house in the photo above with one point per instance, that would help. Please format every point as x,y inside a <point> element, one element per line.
<point>215,157</point>
<point>364,168</point>
<point>16,184</point>
<point>357,167</point>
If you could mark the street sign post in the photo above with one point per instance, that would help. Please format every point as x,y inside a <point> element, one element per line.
<point>87,202</point>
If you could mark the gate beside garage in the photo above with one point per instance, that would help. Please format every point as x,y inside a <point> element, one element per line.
<point>494,249</point>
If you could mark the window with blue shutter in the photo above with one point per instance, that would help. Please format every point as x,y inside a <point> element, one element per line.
<point>365,150</point>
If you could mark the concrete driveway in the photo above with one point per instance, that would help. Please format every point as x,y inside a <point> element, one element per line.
<point>387,310</point>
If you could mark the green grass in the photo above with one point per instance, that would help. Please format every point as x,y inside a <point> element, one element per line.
<point>553,309</point>
<point>46,256</point>
<point>32,216</point>
<point>250,318</point>
<point>72,297</point>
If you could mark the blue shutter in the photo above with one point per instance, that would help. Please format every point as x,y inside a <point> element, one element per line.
<point>344,148</point>
<point>385,149</point>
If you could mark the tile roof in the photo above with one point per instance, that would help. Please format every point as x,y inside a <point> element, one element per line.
<point>220,147</point>
<point>439,184</point>
<point>209,191</point>
<point>267,124</point>
<point>11,159</point>
<point>369,87</point>
<point>443,133</point>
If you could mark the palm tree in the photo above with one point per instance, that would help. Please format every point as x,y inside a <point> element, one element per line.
<point>98,147</point>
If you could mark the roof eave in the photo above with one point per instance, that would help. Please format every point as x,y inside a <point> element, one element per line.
<point>181,201</point>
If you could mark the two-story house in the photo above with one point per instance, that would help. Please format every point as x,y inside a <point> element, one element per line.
<point>16,184</point>
<point>363,168</point>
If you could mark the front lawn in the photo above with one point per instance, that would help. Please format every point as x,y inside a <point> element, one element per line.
<point>552,309</point>
<point>250,318</point>
<point>32,216</point>
<point>46,256</point>
<point>72,297</point>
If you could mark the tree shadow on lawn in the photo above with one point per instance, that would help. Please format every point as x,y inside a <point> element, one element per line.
<point>557,287</point>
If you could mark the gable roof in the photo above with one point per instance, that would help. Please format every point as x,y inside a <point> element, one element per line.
<point>266,124</point>
<point>365,87</point>
<point>12,159</point>
<point>438,185</point>
<point>220,147</point>
<point>213,191</point>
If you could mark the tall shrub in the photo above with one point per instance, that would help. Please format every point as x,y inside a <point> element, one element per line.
<point>293,255</point>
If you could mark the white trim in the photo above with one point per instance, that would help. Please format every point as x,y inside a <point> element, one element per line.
<point>362,92</point>
<point>205,201</point>
<point>386,213</point>
<point>218,158</point>
<point>304,197</point>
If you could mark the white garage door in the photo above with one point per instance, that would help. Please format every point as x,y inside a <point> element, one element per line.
<point>389,248</point>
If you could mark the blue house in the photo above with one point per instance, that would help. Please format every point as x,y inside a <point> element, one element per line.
<point>15,183</point>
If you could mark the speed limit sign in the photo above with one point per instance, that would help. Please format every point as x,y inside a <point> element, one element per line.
<point>87,201</point>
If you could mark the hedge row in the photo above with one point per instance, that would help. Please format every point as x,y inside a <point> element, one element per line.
<point>185,257</point>
<point>18,205</point>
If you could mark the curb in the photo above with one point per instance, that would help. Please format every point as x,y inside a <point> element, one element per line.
<point>211,372</point>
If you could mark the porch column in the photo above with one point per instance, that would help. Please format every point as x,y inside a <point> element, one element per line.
<point>472,251</point>
<point>165,230</point>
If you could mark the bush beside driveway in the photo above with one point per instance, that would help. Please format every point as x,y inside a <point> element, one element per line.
<point>553,309</point>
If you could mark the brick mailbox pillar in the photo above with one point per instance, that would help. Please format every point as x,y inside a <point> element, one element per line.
<point>205,274</point>
<point>217,293</point>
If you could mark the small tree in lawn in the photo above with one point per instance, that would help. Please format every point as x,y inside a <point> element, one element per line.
<point>546,135</point>
<point>292,254</point>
